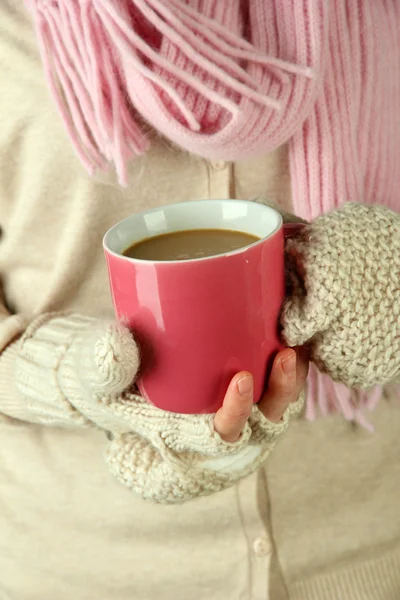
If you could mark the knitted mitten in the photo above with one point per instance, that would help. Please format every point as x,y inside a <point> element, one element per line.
<point>51,369</point>
<point>171,458</point>
<point>344,271</point>
<point>73,370</point>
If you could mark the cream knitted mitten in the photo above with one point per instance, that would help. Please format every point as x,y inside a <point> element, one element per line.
<point>186,458</point>
<point>344,271</point>
<point>71,370</point>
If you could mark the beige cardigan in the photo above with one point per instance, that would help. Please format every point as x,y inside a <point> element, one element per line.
<point>319,522</point>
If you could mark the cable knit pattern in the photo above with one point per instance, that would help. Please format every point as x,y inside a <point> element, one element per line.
<point>37,357</point>
<point>180,433</point>
<point>345,302</point>
<point>140,467</point>
<point>73,371</point>
<point>165,458</point>
<point>168,477</point>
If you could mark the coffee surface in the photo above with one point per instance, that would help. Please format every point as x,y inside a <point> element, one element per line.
<point>190,244</point>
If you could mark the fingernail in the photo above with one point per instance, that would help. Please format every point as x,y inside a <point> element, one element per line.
<point>289,363</point>
<point>245,386</point>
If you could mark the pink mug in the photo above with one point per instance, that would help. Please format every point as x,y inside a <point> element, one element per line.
<point>200,321</point>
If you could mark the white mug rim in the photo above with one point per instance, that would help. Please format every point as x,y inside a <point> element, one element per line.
<point>241,250</point>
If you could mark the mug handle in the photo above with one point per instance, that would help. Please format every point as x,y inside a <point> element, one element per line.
<point>290,229</point>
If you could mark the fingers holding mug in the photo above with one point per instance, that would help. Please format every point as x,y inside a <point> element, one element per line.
<point>287,379</point>
<point>232,416</point>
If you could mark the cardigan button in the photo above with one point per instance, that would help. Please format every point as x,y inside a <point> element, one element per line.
<point>261,547</point>
<point>219,165</point>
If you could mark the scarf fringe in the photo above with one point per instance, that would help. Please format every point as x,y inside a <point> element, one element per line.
<point>325,396</point>
<point>85,44</point>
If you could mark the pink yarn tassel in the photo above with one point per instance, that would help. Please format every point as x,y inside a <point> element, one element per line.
<point>92,48</point>
<point>312,394</point>
<point>232,45</point>
<point>328,397</point>
<point>83,73</point>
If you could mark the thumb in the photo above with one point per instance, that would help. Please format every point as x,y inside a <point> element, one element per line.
<point>236,409</point>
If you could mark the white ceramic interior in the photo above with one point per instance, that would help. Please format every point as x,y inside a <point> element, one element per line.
<point>240,215</point>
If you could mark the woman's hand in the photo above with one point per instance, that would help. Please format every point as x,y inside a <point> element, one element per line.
<point>287,379</point>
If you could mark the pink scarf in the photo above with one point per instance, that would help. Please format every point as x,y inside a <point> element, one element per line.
<point>185,67</point>
<point>230,79</point>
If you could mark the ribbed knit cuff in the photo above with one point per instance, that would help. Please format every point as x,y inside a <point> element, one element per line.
<point>11,327</point>
<point>11,403</point>
<point>32,364</point>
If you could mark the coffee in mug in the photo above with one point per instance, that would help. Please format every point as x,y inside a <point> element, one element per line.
<point>190,244</point>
